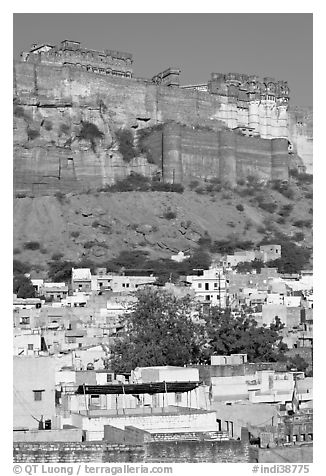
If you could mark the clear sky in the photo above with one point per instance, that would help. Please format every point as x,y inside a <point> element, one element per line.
<point>268,44</point>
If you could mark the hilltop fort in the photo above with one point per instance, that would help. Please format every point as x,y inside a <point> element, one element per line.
<point>229,127</point>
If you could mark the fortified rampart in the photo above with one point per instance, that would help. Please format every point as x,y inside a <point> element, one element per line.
<point>237,136</point>
<point>186,153</point>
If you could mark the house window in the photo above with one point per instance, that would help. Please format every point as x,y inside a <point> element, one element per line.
<point>206,286</point>
<point>38,395</point>
<point>199,285</point>
<point>24,320</point>
<point>109,378</point>
<point>207,297</point>
<point>95,400</point>
<point>215,285</point>
<point>127,285</point>
<point>30,346</point>
<point>178,397</point>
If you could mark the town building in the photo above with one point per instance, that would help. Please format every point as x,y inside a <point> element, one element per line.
<point>81,280</point>
<point>34,392</point>
<point>209,286</point>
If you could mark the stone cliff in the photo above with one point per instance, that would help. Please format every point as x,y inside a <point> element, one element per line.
<point>53,103</point>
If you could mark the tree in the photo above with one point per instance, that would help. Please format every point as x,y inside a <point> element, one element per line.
<point>23,287</point>
<point>226,334</point>
<point>158,331</point>
<point>297,362</point>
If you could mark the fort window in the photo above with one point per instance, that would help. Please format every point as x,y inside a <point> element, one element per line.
<point>30,346</point>
<point>38,395</point>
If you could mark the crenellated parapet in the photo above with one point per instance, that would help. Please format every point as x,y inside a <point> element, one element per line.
<point>248,88</point>
<point>70,53</point>
<point>247,101</point>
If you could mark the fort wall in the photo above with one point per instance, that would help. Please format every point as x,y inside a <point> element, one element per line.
<point>189,153</point>
<point>70,95</point>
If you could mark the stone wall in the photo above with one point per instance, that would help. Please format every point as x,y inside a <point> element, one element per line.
<point>187,153</point>
<point>156,452</point>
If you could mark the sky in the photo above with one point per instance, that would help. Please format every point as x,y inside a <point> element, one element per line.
<point>268,44</point>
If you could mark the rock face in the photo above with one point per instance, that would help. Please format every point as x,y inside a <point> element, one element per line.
<point>52,154</point>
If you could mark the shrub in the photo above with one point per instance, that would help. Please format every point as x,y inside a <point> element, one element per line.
<point>283,188</point>
<point>193,184</point>
<point>200,190</point>
<point>47,125</point>
<point>95,224</point>
<point>301,178</point>
<point>19,112</point>
<point>20,268</point>
<point>16,251</point>
<point>74,234</point>
<point>126,144</point>
<point>269,207</point>
<point>177,187</point>
<point>286,210</point>
<point>299,236</point>
<point>64,129</point>
<point>240,207</point>
<point>134,182</point>
<point>32,245</point>
<point>160,187</point>
<point>20,195</point>
<point>309,195</point>
<point>91,133</point>
<point>32,134</point>
<point>57,256</point>
<point>60,196</point>
<point>302,223</point>
<point>169,214</point>
<point>89,244</point>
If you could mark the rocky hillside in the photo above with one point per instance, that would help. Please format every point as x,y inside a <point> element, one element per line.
<point>99,225</point>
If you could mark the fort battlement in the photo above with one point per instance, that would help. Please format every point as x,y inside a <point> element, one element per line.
<point>70,53</point>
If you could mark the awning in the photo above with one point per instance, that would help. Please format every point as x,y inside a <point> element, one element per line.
<point>138,388</point>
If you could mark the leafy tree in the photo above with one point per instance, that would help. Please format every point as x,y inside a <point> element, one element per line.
<point>226,334</point>
<point>247,267</point>
<point>20,268</point>
<point>23,286</point>
<point>297,362</point>
<point>60,271</point>
<point>158,331</point>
